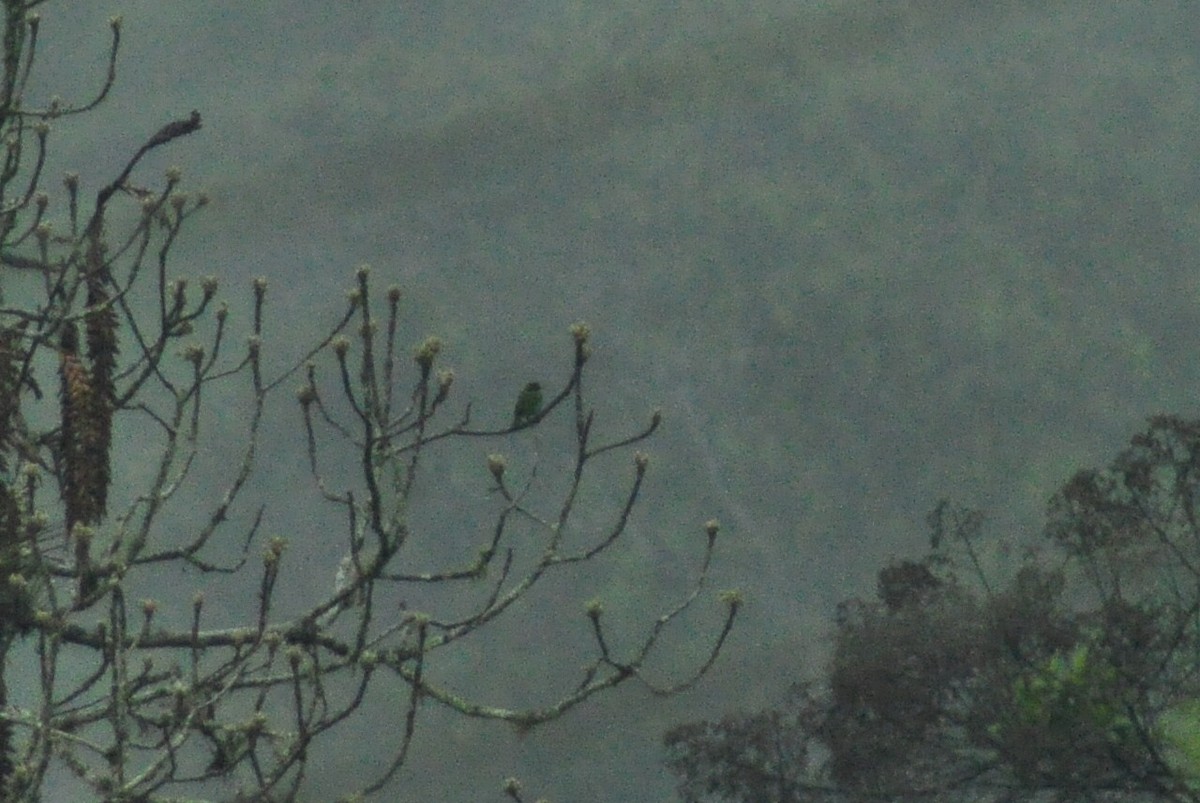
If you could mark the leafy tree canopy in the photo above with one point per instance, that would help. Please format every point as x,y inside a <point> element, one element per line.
<point>1075,678</point>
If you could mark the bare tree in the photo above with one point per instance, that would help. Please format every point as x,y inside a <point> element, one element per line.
<point>146,700</point>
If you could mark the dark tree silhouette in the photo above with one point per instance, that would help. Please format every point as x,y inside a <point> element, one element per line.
<point>105,352</point>
<point>1078,678</point>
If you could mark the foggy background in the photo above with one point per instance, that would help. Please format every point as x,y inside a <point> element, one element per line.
<point>863,255</point>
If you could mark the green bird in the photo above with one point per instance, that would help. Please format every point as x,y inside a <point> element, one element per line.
<point>529,404</point>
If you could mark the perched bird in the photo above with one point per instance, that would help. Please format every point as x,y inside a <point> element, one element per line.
<point>346,576</point>
<point>529,404</point>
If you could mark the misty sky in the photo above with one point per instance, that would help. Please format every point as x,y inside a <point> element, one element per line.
<point>863,255</point>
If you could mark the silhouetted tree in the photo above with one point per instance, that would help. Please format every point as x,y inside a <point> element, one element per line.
<point>105,352</point>
<point>766,757</point>
<point>1076,679</point>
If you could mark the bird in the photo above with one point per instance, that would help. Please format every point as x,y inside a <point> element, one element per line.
<point>345,577</point>
<point>529,404</point>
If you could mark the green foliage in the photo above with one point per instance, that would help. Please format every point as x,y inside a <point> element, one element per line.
<point>955,682</point>
<point>1069,694</point>
<point>1179,735</point>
